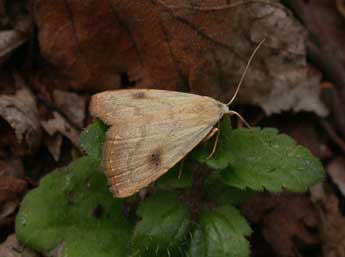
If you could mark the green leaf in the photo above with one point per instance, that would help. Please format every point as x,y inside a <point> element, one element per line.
<point>263,159</point>
<point>164,226</point>
<point>221,233</point>
<point>72,209</point>
<point>174,180</point>
<point>92,139</point>
<point>222,194</point>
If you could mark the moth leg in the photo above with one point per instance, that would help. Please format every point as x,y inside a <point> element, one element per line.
<point>214,148</point>
<point>181,169</point>
<point>210,135</point>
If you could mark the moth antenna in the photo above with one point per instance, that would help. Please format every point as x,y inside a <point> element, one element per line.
<point>245,71</point>
<point>239,116</point>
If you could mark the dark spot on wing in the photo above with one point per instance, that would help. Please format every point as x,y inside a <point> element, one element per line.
<point>155,158</point>
<point>139,95</point>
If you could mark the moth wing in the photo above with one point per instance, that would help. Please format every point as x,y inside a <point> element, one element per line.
<point>150,105</point>
<point>150,133</point>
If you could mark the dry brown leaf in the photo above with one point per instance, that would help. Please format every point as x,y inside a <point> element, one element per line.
<point>326,36</point>
<point>20,111</point>
<point>166,44</point>
<point>12,39</point>
<point>72,105</point>
<point>303,97</point>
<point>54,144</point>
<point>12,187</point>
<point>334,97</point>
<point>2,10</point>
<point>305,133</point>
<point>341,7</point>
<point>332,224</point>
<point>59,124</point>
<point>285,221</point>
<point>336,170</point>
<point>12,248</point>
<point>80,39</point>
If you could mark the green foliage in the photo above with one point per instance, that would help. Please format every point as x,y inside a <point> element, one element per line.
<point>92,139</point>
<point>222,194</point>
<point>72,209</point>
<point>262,159</point>
<point>177,178</point>
<point>221,233</point>
<point>163,227</point>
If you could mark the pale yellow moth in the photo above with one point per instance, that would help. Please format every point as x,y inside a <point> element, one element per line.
<point>152,130</point>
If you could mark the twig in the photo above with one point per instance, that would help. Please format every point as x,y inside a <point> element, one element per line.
<point>219,7</point>
<point>333,134</point>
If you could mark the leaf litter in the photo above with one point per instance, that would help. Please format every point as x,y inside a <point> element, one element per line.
<point>81,53</point>
<point>332,226</point>
<point>285,220</point>
<point>12,187</point>
<point>202,49</point>
<point>12,248</point>
<point>20,111</point>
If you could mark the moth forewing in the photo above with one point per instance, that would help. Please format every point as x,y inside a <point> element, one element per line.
<point>151,131</point>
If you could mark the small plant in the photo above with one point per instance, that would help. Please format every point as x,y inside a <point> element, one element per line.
<point>194,214</point>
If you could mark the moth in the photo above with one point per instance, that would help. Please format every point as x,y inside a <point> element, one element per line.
<point>152,130</point>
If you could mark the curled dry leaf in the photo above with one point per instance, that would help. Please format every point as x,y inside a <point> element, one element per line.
<point>59,124</point>
<point>202,47</point>
<point>284,220</point>
<point>336,170</point>
<point>72,105</point>
<point>20,111</point>
<point>12,39</point>
<point>54,143</point>
<point>12,248</point>
<point>332,225</point>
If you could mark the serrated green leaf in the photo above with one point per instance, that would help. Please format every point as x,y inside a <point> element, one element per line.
<point>164,226</point>
<point>263,159</point>
<point>92,139</point>
<point>73,209</point>
<point>221,233</point>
